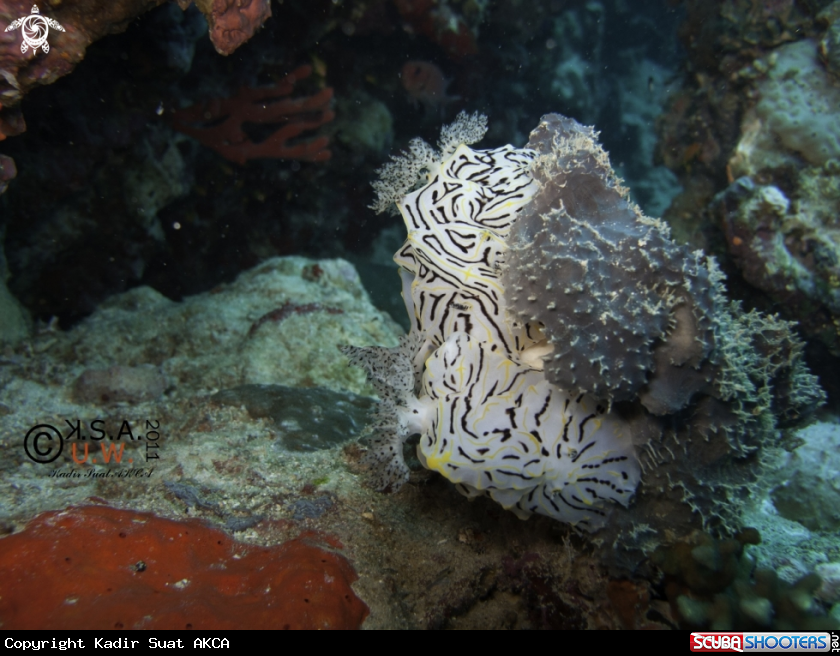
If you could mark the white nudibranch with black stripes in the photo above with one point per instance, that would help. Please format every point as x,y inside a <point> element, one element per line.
<point>468,378</point>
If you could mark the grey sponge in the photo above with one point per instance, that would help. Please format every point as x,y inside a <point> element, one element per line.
<point>620,302</point>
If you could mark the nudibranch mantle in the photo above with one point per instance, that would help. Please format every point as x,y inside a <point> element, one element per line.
<point>468,378</point>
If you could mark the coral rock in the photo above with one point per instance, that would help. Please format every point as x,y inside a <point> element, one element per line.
<point>119,384</point>
<point>788,245</point>
<point>97,567</point>
<point>84,21</point>
<point>8,172</point>
<point>233,22</point>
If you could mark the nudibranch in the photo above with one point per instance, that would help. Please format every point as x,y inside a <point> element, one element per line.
<point>469,376</point>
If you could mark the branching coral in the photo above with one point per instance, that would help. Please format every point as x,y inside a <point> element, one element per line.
<point>221,123</point>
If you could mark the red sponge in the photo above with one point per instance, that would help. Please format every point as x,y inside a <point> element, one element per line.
<point>97,567</point>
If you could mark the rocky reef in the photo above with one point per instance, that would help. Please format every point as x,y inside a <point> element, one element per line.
<point>147,195</point>
<point>235,458</point>
<point>753,137</point>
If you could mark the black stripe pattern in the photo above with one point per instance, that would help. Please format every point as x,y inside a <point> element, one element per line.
<point>501,429</point>
<point>488,419</point>
<point>457,229</point>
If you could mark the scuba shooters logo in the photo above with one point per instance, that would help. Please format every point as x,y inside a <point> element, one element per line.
<point>34,30</point>
<point>782,641</point>
<point>44,443</point>
<point>717,642</point>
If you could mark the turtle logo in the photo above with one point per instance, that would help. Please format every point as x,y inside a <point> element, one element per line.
<point>35,29</point>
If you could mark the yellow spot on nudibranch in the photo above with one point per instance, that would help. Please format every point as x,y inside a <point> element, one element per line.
<point>437,460</point>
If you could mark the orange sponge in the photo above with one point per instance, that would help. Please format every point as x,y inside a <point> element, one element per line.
<point>96,567</point>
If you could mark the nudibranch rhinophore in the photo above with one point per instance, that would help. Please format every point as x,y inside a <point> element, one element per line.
<point>468,378</point>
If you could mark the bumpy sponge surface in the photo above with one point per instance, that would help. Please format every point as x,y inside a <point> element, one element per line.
<point>606,282</point>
